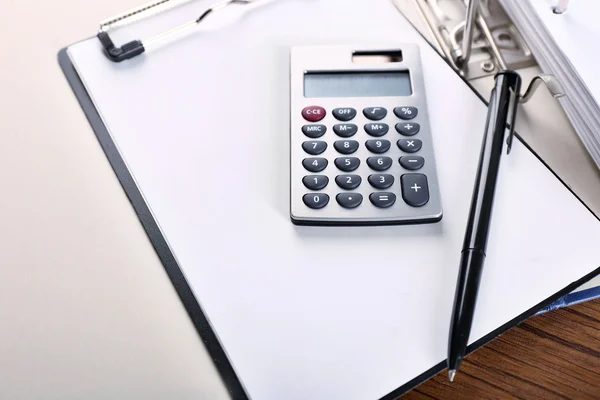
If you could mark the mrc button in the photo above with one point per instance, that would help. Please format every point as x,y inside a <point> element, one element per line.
<point>313,113</point>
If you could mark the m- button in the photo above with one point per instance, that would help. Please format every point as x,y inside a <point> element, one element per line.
<point>314,113</point>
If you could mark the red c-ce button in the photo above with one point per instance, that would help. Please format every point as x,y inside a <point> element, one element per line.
<point>314,113</point>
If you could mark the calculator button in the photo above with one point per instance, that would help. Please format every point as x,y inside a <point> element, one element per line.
<point>378,146</point>
<point>315,200</point>
<point>348,182</point>
<point>377,129</point>
<point>406,112</point>
<point>347,164</point>
<point>315,182</point>
<point>410,145</point>
<point>344,114</point>
<point>415,190</point>
<point>345,130</point>
<point>412,163</point>
<point>346,146</point>
<point>349,200</point>
<point>408,128</point>
<point>316,164</point>
<point>314,113</point>
<point>381,181</point>
<point>379,163</point>
<point>314,147</point>
<point>383,200</point>
<point>314,131</point>
<point>375,113</point>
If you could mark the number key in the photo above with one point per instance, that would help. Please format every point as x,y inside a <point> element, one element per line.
<point>378,146</point>
<point>316,164</point>
<point>314,147</point>
<point>379,163</point>
<point>346,146</point>
<point>347,164</point>
<point>315,200</point>
<point>381,181</point>
<point>315,182</point>
<point>348,182</point>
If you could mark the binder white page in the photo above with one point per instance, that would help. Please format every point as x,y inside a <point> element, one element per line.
<point>566,45</point>
<point>319,312</point>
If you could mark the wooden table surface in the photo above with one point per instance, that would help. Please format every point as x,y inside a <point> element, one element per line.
<point>551,356</point>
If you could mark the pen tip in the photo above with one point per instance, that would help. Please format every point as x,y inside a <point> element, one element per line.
<point>451,374</point>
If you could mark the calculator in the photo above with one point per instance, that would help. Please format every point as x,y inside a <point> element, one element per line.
<point>361,143</point>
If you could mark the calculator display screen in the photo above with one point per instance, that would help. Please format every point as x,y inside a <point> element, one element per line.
<point>357,84</point>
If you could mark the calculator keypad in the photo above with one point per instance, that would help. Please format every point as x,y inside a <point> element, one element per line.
<point>414,186</point>
<point>359,172</point>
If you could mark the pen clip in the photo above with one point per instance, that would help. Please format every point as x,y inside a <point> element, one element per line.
<point>552,84</point>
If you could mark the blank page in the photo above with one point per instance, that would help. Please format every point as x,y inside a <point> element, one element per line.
<point>314,312</point>
<point>576,32</point>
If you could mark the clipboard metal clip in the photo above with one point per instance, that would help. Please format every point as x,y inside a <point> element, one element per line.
<point>136,47</point>
<point>561,6</point>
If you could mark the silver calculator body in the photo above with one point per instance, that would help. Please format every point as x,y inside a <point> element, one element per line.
<point>361,143</point>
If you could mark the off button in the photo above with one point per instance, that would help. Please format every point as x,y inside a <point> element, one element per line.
<point>314,113</point>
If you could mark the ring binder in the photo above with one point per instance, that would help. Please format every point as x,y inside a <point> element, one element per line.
<point>482,43</point>
<point>554,87</point>
<point>136,47</point>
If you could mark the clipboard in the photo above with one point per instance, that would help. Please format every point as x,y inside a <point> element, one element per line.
<point>235,373</point>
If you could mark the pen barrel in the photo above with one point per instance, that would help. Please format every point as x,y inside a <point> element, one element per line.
<point>502,105</point>
<point>471,265</point>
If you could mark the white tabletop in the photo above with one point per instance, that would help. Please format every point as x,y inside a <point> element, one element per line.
<point>87,310</point>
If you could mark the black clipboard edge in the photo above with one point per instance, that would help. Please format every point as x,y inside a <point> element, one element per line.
<point>207,335</point>
<point>192,306</point>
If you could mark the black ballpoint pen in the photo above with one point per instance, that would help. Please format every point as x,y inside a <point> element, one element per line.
<point>502,110</point>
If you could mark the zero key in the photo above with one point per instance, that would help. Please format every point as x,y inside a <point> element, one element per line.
<point>314,113</point>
